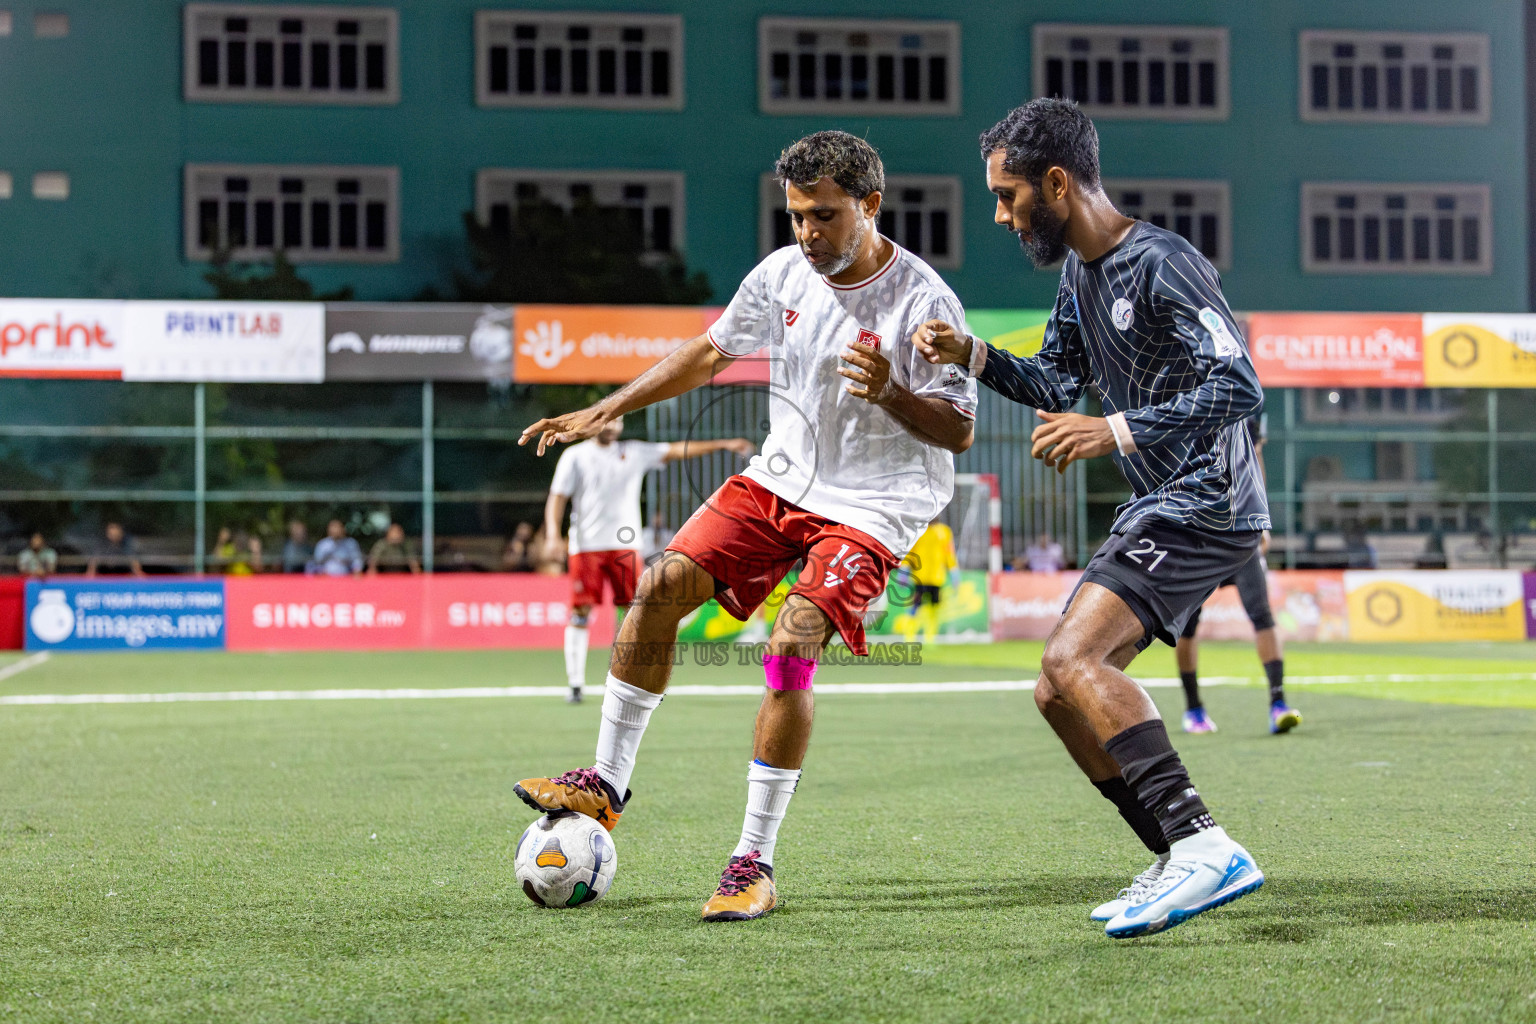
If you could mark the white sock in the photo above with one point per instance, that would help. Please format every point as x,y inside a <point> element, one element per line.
<point>768,793</point>
<point>576,655</point>
<point>626,710</point>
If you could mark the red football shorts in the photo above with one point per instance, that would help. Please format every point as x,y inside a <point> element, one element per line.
<point>749,538</point>
<point>588,570</point>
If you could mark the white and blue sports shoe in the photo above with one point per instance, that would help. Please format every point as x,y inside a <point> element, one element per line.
<point>1203,872</point>
<point>1131,894</point>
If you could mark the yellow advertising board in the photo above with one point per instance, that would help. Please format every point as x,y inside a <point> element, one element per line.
<point>1480,350</point>
<point>1435,605</point>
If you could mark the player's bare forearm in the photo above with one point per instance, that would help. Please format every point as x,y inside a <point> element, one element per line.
<point>690,366</point>
<point>554,513</point>
<point>931,420</point>
<point>693,449</point>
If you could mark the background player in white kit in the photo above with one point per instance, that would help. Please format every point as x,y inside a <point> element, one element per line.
<point>601,478</point>
<point>857,462</point>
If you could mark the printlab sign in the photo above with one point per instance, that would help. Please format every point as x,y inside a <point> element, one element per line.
<point>119,616</point>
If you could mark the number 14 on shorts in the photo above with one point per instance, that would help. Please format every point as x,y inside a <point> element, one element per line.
<point>850,567</point>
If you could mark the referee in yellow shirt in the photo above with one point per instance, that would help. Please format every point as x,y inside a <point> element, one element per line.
<point>929,566</point>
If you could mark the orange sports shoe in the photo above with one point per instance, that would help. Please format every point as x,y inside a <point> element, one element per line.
<point>582,790</point>
<point>746,891</point>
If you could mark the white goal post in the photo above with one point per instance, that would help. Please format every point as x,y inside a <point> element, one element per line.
<point>975,516</point>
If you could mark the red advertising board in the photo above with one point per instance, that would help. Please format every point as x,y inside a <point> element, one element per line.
<point>371,613</point>
<point>1315,350</point>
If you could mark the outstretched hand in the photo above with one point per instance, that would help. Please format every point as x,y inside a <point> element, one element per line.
<point>1065,437</point>
<point>573,426</point>
<point>939,342</point>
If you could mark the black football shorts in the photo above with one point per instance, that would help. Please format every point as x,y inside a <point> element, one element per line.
<point>1164,571</point>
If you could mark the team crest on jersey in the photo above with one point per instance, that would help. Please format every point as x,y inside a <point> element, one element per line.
<point>790,316</point>
<point>867,338</point>
<point>1121,314</point>
<point>952,375</point>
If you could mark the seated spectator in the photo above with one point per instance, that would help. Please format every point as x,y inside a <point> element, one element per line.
<point>336,554</point>
<point>222,554</point>
<point>1044,555</point>
<point>393,553</point>
<point>518,555</point>
<point>116,555</point>
<point>297,550</point>
<point>247,555</point>
<point>1359,552</point>
<point>37,560</point>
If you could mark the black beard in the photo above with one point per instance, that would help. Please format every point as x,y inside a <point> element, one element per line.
<point>1044,244</point>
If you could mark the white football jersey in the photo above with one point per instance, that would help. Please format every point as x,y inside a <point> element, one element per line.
<point>826,451</point>
<point>603,483</point>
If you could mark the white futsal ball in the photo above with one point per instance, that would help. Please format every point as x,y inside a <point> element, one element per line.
<point>565,860</point>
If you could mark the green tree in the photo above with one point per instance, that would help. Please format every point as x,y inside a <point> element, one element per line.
<point>589,254</point>
<point>275,282</point>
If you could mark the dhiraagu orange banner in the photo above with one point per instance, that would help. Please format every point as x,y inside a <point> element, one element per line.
<point>1433,605</point>
<point>1480,350</point>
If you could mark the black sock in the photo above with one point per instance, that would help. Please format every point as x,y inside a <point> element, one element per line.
<point>1191,690</point>
<point>1142,821</point>
<point>1275,670</point>
<point>1154,772</point>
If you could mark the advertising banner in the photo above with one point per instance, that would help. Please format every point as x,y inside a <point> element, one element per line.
<point>1026,605</point>
<point>598,344</point>
<point>225,341</point>
<point>125,616</point>
<point>1416,606</point>
<point>409,341</point>
<point>61,338</point>
<point>1018,331</point>
<point>471,610</point>
<point>1308,605</point>
<point>1479,350</point>
<point>962,611</point>
<point>371,613</point>
<point>1530,605</point>
<point>1313,350</point>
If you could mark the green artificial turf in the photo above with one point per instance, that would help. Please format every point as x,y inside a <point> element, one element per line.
<point>351,861</point>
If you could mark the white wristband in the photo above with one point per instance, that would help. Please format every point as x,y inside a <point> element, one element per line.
<point>978,356</point>
<point>1123,439</point>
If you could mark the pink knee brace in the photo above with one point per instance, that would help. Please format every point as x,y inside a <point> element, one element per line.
<point>787,672</point>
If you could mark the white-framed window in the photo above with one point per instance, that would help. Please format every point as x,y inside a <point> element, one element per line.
<point>51,185</point>
<point>313,214</point>
<point>1162,72</point>
<point>820,65</point>
<point>652,200</point>
<point>246,53</point>
<point>1351,227</point>
<point>920,212</point>
<point>1200,211</point>
<point>579,59</point>
<point>50,25</point>
<point>1414,77</point>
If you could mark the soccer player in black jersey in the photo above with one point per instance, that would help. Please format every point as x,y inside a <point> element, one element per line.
<point>1140,317</point>
<point>1252,583</point>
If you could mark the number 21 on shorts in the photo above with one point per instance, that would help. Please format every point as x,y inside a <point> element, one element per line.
<point>1144,551</point>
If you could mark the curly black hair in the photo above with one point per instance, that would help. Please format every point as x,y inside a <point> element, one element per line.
<point>1044,133</point>
<point>846,159</point>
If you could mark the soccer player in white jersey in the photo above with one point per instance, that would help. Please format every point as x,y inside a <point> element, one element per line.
<point>858,460</point>
<point>601,479</point>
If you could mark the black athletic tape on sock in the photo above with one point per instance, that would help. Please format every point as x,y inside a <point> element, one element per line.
<point>1152,769</point>
<point>1275,670</point>
<point>1142,821</point>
